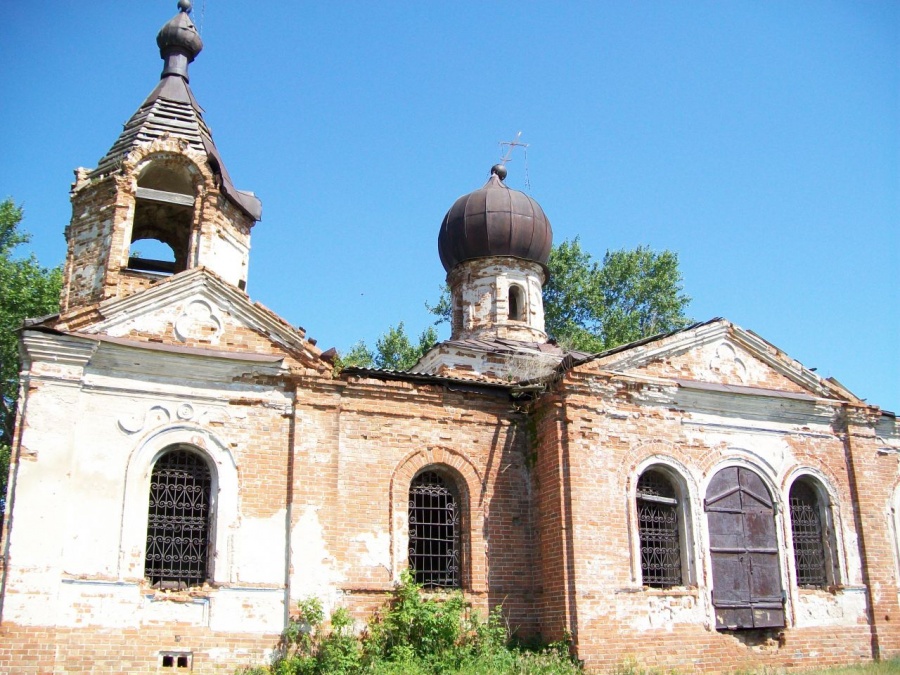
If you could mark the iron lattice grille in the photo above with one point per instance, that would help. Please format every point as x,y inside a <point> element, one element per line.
<point>178,521</point>
<point>657,508</point>
<point>809,548</point>
<point>433,531</point>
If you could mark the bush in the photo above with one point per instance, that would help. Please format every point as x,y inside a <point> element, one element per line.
<point>411,635</point>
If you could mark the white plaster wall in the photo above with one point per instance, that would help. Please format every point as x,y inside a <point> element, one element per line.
<point>259,549</point>
<point>654,610</point>
<point>225,256</point>
<point>78,528</point>
<point>846,607</point>
<point>247,610</point>
<point>316,571</point>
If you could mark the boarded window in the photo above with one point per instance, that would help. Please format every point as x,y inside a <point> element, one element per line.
<point>178,521</point>
<point>657,508</point>
<point>434,530</point>
<point>747,590</point>
<point>810,557</point>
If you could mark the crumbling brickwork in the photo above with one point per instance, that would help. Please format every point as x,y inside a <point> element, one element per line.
<point>187,465</point>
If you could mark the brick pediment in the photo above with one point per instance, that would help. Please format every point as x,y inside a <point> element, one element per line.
<point>718,353</point>
<point>196,310</point>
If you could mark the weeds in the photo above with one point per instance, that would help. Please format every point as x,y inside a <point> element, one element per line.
<point>410,635</point>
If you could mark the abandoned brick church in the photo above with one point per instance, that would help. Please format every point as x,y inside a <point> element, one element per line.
<point>187,465</point>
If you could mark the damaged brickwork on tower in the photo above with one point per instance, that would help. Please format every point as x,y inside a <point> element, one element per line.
<point>195,465</point>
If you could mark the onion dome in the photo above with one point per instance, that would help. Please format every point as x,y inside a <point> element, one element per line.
<point>178,41</point>
<point>494,221</point>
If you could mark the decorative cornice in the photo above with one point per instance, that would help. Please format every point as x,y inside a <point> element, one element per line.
<point>40,346</point>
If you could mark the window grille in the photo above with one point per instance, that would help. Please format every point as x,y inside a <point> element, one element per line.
<point>178,521</point>
<point>657,508</point>
<point>434,531</point>
<point>809,544</point>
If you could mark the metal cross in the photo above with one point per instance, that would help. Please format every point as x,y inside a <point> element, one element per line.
<point>510,146</point>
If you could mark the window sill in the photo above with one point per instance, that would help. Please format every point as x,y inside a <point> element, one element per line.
<point>190,594</point>
<point>834,589</point>
<point>674,591</point>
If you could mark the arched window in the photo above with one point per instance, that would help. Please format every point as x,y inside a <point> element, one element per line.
<point>178,520</point>
<point>516,303</point>
<point>163,216</point>
<point>660,527</point>
<point>434,530</point>
<point>809,527</point>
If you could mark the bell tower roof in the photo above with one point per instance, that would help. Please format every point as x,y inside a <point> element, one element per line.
<point>171,111</point>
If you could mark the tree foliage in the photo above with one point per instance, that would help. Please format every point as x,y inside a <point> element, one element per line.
<point>590,306</point>
<point>630,295</point>
<point>26,290</point>
<point>394,350</point>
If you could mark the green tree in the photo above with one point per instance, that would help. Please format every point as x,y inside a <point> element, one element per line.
<point>594,306</point>
<point>590,306</point>
<point>393,350</point>
<point>26,290</point>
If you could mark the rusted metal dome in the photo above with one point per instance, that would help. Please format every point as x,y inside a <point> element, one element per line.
<point>180,35</point>
<point>494,221</point>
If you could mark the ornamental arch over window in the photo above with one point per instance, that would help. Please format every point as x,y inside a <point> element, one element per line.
<point>663,527</point>
<point>435,528</point>
<point>163,219</point>
<point>812,534</point>
<point>179,520</point>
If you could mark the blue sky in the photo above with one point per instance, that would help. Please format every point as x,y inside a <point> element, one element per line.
<point>758,140</point>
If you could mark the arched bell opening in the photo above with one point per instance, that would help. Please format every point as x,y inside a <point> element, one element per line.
<point>163,217</point>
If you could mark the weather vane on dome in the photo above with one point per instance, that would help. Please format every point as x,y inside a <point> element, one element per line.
<point>509,146</point>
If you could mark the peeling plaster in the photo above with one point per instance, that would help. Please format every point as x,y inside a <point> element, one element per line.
<point>377,551</point>
<point>315,569</point>
<point>822,608</point>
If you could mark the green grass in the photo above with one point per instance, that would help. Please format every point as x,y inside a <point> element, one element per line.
<point>891,667</point>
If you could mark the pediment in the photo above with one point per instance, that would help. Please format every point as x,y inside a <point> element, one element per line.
<point>719,353</point>
<point>198,310</point>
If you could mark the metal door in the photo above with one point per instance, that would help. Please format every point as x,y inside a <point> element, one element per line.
<point>747,590</point>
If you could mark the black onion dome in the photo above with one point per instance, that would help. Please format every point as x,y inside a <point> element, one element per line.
<point>180,35</point>
<point>494,221</point>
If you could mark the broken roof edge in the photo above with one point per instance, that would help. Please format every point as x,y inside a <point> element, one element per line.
<point>427,378</point>
<point>185,350</point>
<point>750,340</point>
<point>566,364</point>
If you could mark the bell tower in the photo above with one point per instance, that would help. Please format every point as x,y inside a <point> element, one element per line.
<point>160,202</point>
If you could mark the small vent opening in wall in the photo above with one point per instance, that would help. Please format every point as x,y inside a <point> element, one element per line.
<point>176,660</point>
